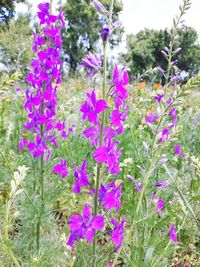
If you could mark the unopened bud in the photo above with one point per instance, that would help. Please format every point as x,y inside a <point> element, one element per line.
<point>117,24</point>
<point>105,33</point>
<point>99,7</point>
<point>177,50</point>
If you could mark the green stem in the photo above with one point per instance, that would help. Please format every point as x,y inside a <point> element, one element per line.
<point>104,84</point>
<point>6,236</point>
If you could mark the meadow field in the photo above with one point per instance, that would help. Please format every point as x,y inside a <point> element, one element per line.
<point>100,169</point>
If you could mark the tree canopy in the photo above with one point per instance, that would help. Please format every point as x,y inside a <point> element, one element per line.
<point>7,9</point>
<point>16,44</point>
<point>144,50</point>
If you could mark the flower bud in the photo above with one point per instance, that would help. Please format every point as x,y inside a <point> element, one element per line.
<point>99,7</point>
<point>177,50</point>
<point>105,33</point>
<point>117,24</point>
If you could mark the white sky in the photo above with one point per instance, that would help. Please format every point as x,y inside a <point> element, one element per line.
<point>140,14</point>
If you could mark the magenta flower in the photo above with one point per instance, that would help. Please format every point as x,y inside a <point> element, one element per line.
<point>117,119</point>
<point>91,107</point>
<point>109,155</point>
<point>172,113</point>
<point>41,93</point>
<point>93,134</point>
<point>44,15</point>
<point>172,234</point>
<point>92,63</point>
<point>138,186</point>
<point>164,135</point>
<point>151,118</point>
<point>120,80</point>
<point>177,150</point>
<point>84,226</point>
<point>81,177</point>
<point>117,235</point>
<point>163,184</point>
<point>61,168</point>
<point>110,196</point>
<point>159,97</point>
<point>160,204</point>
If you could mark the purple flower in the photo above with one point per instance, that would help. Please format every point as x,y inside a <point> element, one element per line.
<point>172,234</point>
<point>120,80</point>
<point>160,204</point>
<point>177,150</point>
<point>110,196</point>
<point>44,15</point>
<point>138,186</point>
<point>91,107</point>
<point>41,93</point>
<point>81,177</point>
<point>117,24</point>
<point>117,119</point>
<point>61,168</point>
<point>117,235</point>
<point>84,226</point>
<point>172,113</point>
<point>99,7</point>
<point>92,63</point>
<point>93,133</point>
<point>151,118</point>
<point>159,97</point>
<point>105,33</point>
<point>164,135</point>
<point>163,184</point>
<point>109,155</point>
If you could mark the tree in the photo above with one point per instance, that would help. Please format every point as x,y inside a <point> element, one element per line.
<point>7,9</point>
<point>144,50</point>
<point>15,44</point>
<point>83,31</point>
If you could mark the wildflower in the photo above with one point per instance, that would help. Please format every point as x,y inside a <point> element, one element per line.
<point>105,33</point>
<point>151,117</point>
<point>84,226</point>
<point>91,107</point>
<point>177,150</point>
<point>44,14</point>
<point>110,195</point>
<point>160,204</point>
<point>159,97</point>
<point>164,135</point>
<point>99,7</point>
<point>117,235</point>
<point>93,134</point>
<point>172,234</point>
<point>41,93</point>
<point>117,119</point>
<point>120,80</point>
<point>92,63</point>
<point>157,85</point>
<point>163,184</point>
<point>172,113</point>
<point>138,186</point>
<point>109,155</point>
<point>117,24</point>
<point>81,177</point>
<point>61,168</point>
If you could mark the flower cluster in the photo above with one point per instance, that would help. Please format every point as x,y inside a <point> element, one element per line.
<point>41,93</point>
<point>102,134</point>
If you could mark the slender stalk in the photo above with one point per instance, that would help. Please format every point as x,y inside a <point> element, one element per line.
<point>6,236</point>
<point>104,84</point>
